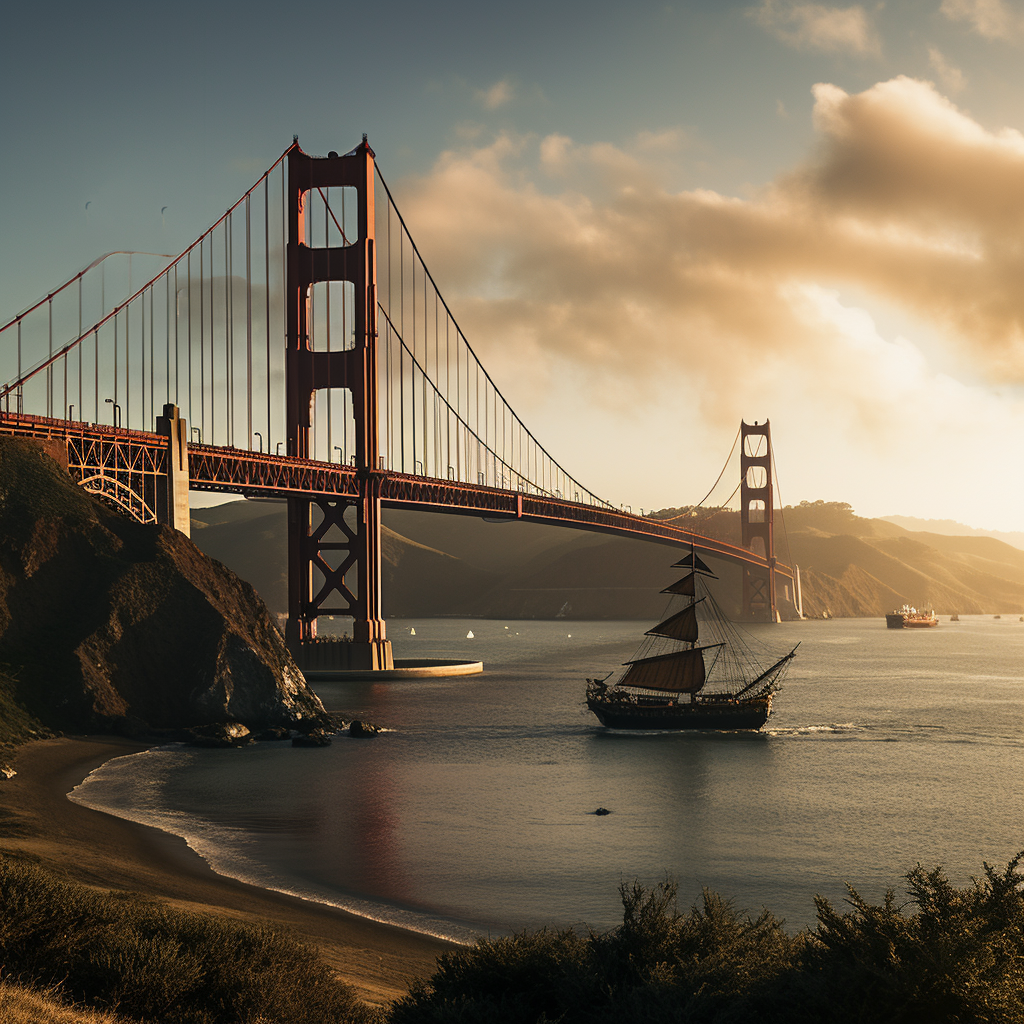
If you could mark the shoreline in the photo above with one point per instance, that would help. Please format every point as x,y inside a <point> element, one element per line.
<point>39,823</point>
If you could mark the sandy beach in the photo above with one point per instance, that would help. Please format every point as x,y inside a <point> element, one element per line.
<point>37,821</point>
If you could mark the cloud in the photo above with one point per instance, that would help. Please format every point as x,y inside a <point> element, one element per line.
<point>569,262</point>
<point>809,26</point>
<point>950,78</point>
<point>991,19</point>
<point>905,197</point>
<point>496,96</point>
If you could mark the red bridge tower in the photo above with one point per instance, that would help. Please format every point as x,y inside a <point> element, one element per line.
<point>319,530</point>
<point>758,535</point>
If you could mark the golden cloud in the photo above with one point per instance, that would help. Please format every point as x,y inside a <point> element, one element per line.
<point>575,262</point>
<point>990,19</point>
<point>810,26</point>
<point>906,197</point>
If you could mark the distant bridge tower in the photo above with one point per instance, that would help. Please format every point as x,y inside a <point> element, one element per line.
<point>334,558</point>
<point>758,535</point>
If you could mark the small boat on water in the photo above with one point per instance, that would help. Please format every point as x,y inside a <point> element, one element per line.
<point>675,681</point>
<point>954,617</point>
<point>908,617</point>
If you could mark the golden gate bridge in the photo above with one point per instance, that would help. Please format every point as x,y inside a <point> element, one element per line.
<point>301,349</point>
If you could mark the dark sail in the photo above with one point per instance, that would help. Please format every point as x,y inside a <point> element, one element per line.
<point>683,586</point>
<point>680,672</point>
<point>691,561</point>
<point>681,626</point>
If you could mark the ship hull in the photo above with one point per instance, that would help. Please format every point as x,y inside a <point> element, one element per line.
<point>898,620</point>
<point>749,715</point>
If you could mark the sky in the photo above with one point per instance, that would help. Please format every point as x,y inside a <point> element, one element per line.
<point>650,220</point>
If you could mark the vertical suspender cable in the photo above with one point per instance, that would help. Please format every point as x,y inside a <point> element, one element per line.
<point>266,257</point>
<point>330,392</point>
<point>49,369</point>
<point>401,350</point>
<point>114,410</point>
<point>126,415</point>
<point>188,334</point>
<point>248,325</point>
<point>229,289</point>
<point>152,360</point>
<point>81,411</point>
<point>284,265</point>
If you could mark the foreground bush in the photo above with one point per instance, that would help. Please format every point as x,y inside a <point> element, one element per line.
<point>946,955</point>
<point>145,961</point>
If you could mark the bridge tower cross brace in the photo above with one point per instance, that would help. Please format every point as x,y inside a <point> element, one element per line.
<point>757,520</point>
<point>306,372</point>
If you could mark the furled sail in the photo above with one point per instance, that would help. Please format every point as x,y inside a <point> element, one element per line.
<point>679,672</point>
<point>683,586</point>
<point>681,626</point>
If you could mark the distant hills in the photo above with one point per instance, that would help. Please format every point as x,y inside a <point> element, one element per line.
<point>949,528</point>
<point>448,565</point>
<point>852,566</point>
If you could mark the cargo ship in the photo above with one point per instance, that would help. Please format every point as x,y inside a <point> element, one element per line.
<point>910,618</point>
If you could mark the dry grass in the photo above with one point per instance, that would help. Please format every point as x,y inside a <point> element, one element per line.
<point>23,1006</point>
<point>119,950</point>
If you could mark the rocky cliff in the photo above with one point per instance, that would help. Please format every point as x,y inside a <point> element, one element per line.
<point>109,624</point>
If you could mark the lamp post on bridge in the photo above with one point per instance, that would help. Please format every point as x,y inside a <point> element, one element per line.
<point>117,411</point>
<point>256,433</point>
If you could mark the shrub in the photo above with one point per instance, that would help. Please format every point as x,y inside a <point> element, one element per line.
<point>121,952</point>
<point>946,955</point>
<point>958,957</point>
<point>659,965</point>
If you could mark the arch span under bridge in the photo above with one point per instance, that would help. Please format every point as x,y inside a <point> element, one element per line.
<point>306,319</point>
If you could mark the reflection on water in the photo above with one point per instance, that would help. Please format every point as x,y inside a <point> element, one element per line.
<point>475,812</point>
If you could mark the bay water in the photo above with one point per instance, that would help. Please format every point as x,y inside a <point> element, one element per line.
<point>473,813</point>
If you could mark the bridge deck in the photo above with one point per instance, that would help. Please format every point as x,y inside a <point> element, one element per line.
<point>261,475</point>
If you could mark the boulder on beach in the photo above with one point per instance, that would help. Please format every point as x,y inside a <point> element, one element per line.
<point>221,734</point>
<point>358,728</point>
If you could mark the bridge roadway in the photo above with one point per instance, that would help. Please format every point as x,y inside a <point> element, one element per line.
<point>97,451</point>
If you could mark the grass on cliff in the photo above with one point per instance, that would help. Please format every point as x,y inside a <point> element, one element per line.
<point>118,952</point>
<point>17,724</point>
<point>24,1006</point>
<point>943,955</point>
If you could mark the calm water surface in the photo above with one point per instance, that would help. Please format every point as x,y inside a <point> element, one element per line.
<point>473,814</point>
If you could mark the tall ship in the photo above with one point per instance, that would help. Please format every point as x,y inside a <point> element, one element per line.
<point>909,617</point>
<point>693,670</point>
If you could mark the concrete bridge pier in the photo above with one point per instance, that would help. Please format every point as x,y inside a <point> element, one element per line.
<point>172,489</point>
